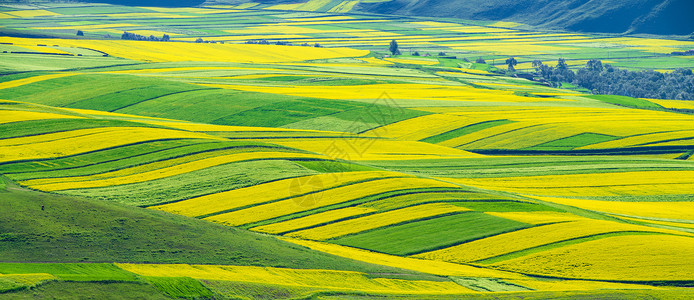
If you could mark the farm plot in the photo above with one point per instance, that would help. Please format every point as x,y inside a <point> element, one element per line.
<point>427,235</point>
<point>660,257</point>
<point>533,238</point>
<point>334,280</point>
<point>378,220</point>
<point>328,197</point>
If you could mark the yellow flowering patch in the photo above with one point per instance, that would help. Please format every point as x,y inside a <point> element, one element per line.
<point>313,219</point>
<point>377,220</point>
<point>326,279</point>
<point>9,116</point>
<point>24,81</point>
<point>630,257</point>
<point>81,182</point>
<point>679,104</point>
<point>395,91</point>
<point>579,285</point>
<point>325,198</point>
<point>598,184</point>
<point>420,265</point>
<point>664,210</point>
<point>531,237</point>
<point>419,128</point>
<point>413,61</point>
<point>261,193</point>
<point>536,217</point>
<point>85,140</point>
<point>172,52</point>
<point>31,13</point>
<point>374,149</point>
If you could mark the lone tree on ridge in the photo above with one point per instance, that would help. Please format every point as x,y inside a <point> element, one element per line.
<point>394,48</point>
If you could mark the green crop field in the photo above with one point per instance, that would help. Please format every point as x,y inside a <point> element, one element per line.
<point>245,150</point>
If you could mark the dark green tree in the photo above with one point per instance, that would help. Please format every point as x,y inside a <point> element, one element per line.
<point>394,48</point>
<point>80,33</point>
<point>561,65</point>
<point>480,60</point>
<point>511,62</point>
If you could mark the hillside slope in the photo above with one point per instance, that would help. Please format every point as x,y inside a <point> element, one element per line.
<point>616,16</point>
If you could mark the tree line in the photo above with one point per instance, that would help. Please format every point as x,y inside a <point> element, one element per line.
<point>609,80</point>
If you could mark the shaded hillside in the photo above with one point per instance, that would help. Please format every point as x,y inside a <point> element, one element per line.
<point>616,16</point>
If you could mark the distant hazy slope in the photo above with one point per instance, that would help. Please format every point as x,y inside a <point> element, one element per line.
<point>642,16</point>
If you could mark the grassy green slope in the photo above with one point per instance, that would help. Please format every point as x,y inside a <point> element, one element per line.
<point>72,229</point>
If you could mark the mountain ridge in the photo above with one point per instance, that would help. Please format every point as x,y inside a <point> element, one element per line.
<point>668,17</point>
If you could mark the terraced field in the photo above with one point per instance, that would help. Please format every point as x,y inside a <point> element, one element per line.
<point>332,171</point>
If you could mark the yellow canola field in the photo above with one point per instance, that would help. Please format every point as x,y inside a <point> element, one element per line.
<point>629,258</point>
<point>325,198</point>
<point>597,184</point>
<point>419,128</point>
<point>376,220</point>
<point>328,279</point>
<point>420,265</point>
<point>531,237</point>
<point>649,221</point>
<point>679,104</point>
<point>174,52</point>
<point>413,61</point>
<point>83,182</point>
<point>261,193</point>
<point>200,127</point>
<point>579,285</point>
<point>647,140</point>
<point>374,149</point>
<point>88,27</point>
<point>8,116</point>
<point>536,217</point>
<point>85,140</point>
<point>394,91</point>
<point>313,219</point>
<point>31,13</point>
<point>24,81</point>
<point>662,210</point>
<point>28,279</point>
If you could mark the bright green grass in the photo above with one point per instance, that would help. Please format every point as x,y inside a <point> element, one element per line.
<point>625,101</point>
<point>464,130</point>
<point>579,140</point>
<point>560,244</point>
<point>259,291</point>
<point>94,290</point>
<point>102,156</point>
<point>34,62</point>
<point>218,106</point>
<point>504,166</point>
<point>423,192</point>
<point>327,166</point>
<point>285,112</point>
<point>431,234</point>
<point>27,128</point>
<point>460,197</point>
<point>176,156</point>
<point>128,97</point>
<point>180,287</point>
<point>100,89</point>
<point>23,75</point>
<point>71,272</point>
<point>196,183</point>
<point>505,206</point>
<point>72,229</point>
<point>7,285</point>
<point>488,284</point>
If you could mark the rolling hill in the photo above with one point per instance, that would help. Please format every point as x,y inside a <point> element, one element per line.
<point>615,16</point>
<point>237,168</point>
